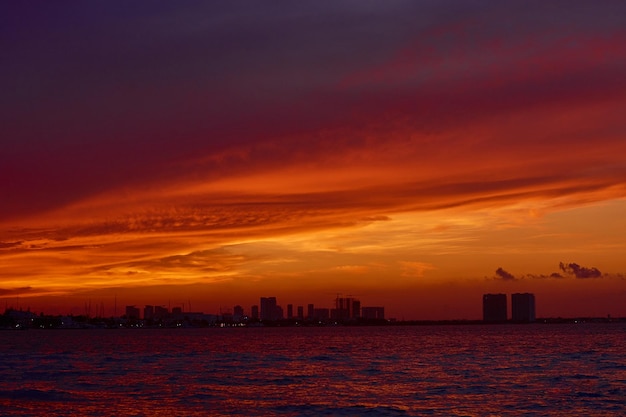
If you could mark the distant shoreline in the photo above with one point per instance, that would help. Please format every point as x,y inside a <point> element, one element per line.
<point>27,320</point>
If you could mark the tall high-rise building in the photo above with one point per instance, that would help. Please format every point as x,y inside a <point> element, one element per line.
<point>254,312</point>
<point>238,313</point>
<point>148,312</point>
<point>494,308</point>
<point>268,308</point>
<point>289,311</point>
<point>523,307</point>
<point>347,308</point>
<point>300,313</point>
<point>278,313</point>
<point>310,312</point>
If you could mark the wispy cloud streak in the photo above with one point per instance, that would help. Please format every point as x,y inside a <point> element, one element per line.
<point>172,144</point>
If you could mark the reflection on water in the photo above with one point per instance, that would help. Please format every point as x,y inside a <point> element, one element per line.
<point>438,370</point>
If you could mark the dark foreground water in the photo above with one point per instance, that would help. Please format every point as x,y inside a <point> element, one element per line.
<point>378,371</point>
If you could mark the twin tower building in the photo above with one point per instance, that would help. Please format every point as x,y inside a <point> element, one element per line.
<point>522,308</point>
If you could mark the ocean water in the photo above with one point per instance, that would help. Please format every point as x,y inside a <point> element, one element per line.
<point>551,370</point>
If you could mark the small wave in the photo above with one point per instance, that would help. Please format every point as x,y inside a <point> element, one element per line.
<point>199,396</point>
<point>589,394</point>
<point>31,394</point>
<point>371,371</point>
<point>355,410</point>
<point>583,376</point>
<point>324,358</point>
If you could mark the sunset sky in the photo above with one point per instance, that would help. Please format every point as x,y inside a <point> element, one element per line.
<point>414,154</point>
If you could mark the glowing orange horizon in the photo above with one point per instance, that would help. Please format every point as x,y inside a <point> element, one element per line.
<point>409,174</point>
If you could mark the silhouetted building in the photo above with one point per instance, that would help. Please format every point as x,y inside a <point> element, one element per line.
<point>321,314</point>
<point>238,313</point>
<point>523,307</point>
<point>254,312</point>
<point>356,309</point>
<point>300,313</point>
<point>269,310</point>
<point>373,313</point>
<point>310,312</point>
<point>289,311</point>
<point>22,319</point>
<point>148,312</point>
<point>494,308</point>
<point>132,313</point>
<point>160,312</point>
<point>347,308</point>
<point>177,311</point>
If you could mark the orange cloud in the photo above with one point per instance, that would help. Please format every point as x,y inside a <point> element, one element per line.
<point>455,141</point>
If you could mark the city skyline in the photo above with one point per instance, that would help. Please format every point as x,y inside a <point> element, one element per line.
<point>267,308</point>
<point>413,154</point>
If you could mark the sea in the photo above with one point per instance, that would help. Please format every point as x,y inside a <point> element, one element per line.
<point>447,370</point>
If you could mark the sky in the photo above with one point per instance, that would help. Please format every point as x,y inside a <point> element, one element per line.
<point>412,154</point>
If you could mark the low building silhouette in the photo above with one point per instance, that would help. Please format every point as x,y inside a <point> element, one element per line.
<point>160,312</point>
<point>321,314</point>
<point>132,313</point>
<point>373,313</point>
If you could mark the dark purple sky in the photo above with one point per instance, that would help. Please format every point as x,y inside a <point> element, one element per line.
<point>296,118</point>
